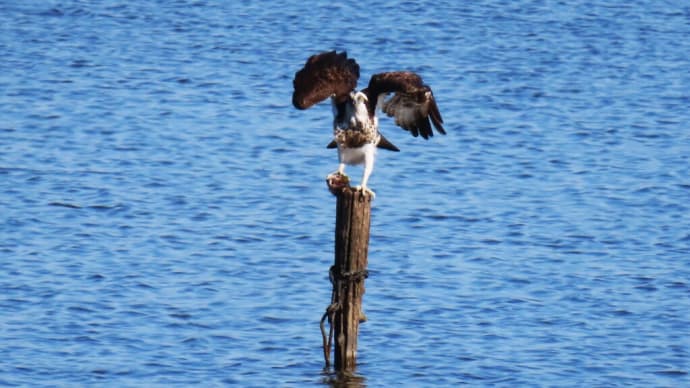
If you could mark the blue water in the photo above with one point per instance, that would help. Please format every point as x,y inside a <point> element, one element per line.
<point>165,220</point>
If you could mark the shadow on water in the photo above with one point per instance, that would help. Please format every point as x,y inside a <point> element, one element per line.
<point>342,379</point>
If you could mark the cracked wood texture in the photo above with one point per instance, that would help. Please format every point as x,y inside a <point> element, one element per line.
<point>353,218</point>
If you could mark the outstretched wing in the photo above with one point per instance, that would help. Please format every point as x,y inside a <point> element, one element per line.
<point>412,103</point>
<point>324,75</point>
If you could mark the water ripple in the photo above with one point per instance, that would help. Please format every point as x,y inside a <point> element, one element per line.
<point>165,220</point>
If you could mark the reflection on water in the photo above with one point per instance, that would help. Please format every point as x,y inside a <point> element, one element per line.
<point>343,379</point>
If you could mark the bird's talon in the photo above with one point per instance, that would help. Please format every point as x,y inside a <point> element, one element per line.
<point>366,190</point>
<point>337,176</point>
<point>337,181</point>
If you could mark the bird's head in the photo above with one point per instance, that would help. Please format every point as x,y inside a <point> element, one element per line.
<point>359,98</point>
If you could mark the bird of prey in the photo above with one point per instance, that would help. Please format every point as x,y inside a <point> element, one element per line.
<point>355,125</point>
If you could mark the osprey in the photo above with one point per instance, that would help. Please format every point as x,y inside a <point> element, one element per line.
<point>355,125</point>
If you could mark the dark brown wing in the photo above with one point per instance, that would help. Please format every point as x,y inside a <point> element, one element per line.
<point>413,104</point>
<point>324,75</point>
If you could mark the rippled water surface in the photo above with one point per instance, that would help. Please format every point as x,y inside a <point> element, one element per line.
<point>165,221</point>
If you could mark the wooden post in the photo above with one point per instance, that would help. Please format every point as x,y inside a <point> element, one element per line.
<point>352,222</point>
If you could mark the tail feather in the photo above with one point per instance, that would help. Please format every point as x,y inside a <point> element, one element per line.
<point>383,143</point>
<point>387,145</point>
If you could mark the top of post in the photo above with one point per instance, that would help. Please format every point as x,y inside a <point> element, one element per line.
<point>340,185</point>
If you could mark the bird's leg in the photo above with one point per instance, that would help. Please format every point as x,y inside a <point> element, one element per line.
<point>368,168</point>
<point>339,172</point>
<point>338,178</point>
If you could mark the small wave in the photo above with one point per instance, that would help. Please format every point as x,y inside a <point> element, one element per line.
<point>64,204</point>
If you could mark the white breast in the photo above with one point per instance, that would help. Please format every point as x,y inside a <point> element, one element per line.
<point>356,155</point>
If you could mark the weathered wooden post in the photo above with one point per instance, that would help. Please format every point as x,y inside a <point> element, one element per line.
<point>352,222</point>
